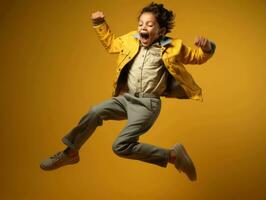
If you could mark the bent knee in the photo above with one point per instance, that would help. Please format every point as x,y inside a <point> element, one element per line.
<point>95,114</point>
<point>100,112</point>
<point>95,110</point>
<point>121,149</point>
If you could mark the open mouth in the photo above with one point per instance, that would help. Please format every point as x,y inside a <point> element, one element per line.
<point>144,37</point>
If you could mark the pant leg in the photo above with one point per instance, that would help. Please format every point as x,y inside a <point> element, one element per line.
<point>112,109</point>
<point>142,113</point>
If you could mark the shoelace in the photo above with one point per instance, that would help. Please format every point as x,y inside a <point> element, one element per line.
<point>57,156</point>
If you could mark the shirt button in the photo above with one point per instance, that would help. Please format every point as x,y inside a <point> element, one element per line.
<point>138,80</point>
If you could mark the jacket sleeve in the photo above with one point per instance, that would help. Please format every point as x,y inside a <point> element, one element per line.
<point>110,42</point>
<point>189,55</point>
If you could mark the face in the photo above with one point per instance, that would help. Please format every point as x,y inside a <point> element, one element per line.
<point>149,29</point>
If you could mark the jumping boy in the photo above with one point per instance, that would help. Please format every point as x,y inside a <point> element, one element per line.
<point>150,65</point>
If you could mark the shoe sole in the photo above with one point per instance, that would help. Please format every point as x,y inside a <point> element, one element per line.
<point>185,161</point>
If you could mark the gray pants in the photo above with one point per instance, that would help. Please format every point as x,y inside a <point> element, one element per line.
<point>141,113</point>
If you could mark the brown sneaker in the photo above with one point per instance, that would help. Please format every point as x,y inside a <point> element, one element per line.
<point>58,160</point>
<point>184,163</point>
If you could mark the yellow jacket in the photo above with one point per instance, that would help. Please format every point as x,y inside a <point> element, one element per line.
<point>174,55</point>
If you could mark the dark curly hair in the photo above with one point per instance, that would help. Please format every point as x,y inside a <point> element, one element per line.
<point>164,17</point>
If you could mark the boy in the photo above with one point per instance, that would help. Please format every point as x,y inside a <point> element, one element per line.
<point>150,65</point>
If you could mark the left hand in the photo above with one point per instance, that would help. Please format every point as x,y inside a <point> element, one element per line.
<point>203,43</point>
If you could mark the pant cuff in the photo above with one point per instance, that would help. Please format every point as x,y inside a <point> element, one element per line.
<point>167,152</point>
<point>69,144</point>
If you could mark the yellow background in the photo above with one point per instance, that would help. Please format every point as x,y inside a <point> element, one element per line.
<point>53,69</point>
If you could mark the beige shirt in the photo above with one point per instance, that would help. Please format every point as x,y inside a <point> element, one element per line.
<point>147,73</point>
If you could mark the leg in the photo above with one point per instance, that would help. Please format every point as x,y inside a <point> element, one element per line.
<point>112,109</point>
<point>142,113</point>
<point>109,109</point>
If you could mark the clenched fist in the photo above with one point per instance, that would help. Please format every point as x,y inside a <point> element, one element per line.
<point>97,17</point>
<point>203,43</point>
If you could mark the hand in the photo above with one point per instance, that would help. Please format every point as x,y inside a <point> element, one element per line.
<point>97,16</point>
<point>203,43</point>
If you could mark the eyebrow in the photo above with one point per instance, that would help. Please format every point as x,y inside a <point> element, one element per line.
<point>147,21</point>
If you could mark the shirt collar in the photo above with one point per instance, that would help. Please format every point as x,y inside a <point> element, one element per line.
<point>164,41</point>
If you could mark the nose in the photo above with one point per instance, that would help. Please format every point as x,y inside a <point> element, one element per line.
<point>144,28</point>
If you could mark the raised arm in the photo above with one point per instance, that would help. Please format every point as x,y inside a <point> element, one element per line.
<point>108,39</point>
<point>199,55</point>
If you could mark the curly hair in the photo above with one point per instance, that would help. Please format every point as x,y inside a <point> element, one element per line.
<point>164,17</point>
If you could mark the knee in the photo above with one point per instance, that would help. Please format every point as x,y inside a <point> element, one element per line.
<point>95,110</point>
<point>95,114</point>
<point>116,148</point>
<point>121,149</point>
<point>99,111</point>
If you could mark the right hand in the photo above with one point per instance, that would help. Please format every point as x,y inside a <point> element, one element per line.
<point>97,16</point>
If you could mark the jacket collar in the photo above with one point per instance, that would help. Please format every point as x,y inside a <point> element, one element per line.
<point>164,41</point>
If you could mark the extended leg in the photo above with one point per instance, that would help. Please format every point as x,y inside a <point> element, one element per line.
<point>110,109</point>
